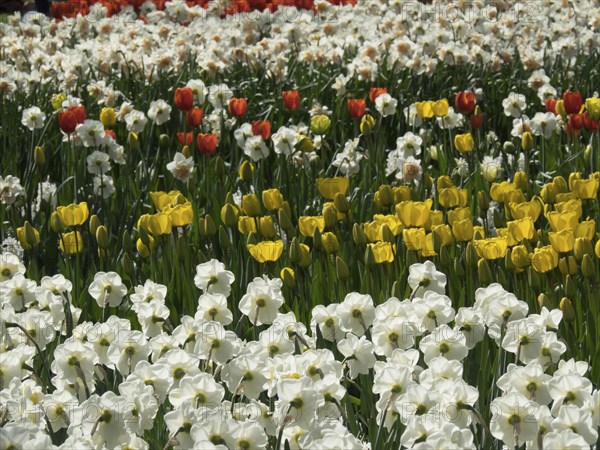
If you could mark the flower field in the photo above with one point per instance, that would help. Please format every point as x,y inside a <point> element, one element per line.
<point>365,224</point>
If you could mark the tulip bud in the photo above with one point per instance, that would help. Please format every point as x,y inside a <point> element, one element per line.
<point>245,171</point>
<point>527,142</point>
<point>317,241</point>
<point>330,242</point>
<point>202,227</point>
<point>411,257</point>
<point>39,157</point>
<point>570,286</point>
<point>483,202</point>
<point>561,185</point>
<point>266,227</point>
<point>102,237</point>
<point>522,181</point>
<point>367,123</point>
<point>133,141</point>
<point>229,198</point>
<point>499,220</point>
<point>508,147</point>
<point>560,108</point>
<point>185,151</point>
<point>210,228</point>
<point>288,277</point>
<point>56,223</point>
<point>219,166</point>
<point>588,268</point>
<point>295,252</point>
<point>358,235</point>
<point>304,144</point>
<point>508,262</point>
<point>341,269</point>
<point>543,300</point>
<point>164,142</point>
<point>94,224</point>
<point>445,258</point>
<point>386,195</point>
<point>369,257</point>
<point>251,205</point>
<point>284,222</point>
<point>341,203</point>
<point>567,309</point>
<point>533,278</point>
<point>583,246</point>
<point>459,269</point>
<point>229,215</point>
<point>471,255</point>
<point>127,265</point>
<point>502,278</point>
<point>126,241</point>
<point>484,272</point>
<point>144,237</point>
<point>386,234</point>
<point>224,241</point>
<point>330,217</point>
<point>567,265</point>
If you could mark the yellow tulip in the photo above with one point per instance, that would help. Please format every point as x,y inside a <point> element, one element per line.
<point>229,214</point>
<point>28,236</point>
<point>372,231</point>
<point>570,205</point>
<point>463,230</point>
<point>586,229</point>
<point>266,251</point>
<point>108,117</point>
<point>566,220</point>
<point>246,225</point>
<point>163,199</point>
<point>384,252</point>
<point>424,109</point>
<point>520,257</point>
<point>531,209</point>
<point>440,108</point>
<point>491,248</point>
<point>592,105</point>
<point>458,214</point>
<point>391,220</point>
<point>288,276</point>
<point>319,124</point>
<point>413,214</point>
<point>338,214</point>
<point>443,233</point>
<point>428,249</point>
<point>544,259</point>
<point>307,224</point>
<point>464,143</point>
<point>250,205</point>
<point>564,197</point>
<point>328,187</point>
<point>304,255</point>
<point>414,238</point>
<point>330,242</point>
<point>452,197</point>
<point>71,243</point>
<point>266,227</point>
<point>503,232</point>
<point>499,190</point>
<point>586,189</point>
<point>143,249</point>
<point>367,123</point>
<point>245,171</point>
<point>272,199</point>
<point>73,214</point>
<point>562,241</point>
<point>521,229</point>
<point>401,193</point>
<point>181,215</point>
<point>160,223</point>
<point>435,218</point>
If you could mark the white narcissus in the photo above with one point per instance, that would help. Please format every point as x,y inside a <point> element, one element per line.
<point>298,401</point>
<point>425,277</point>
<point>328,321</point>
<point>33,118</point>
<point>200,391</point>
<point>359,354</point>
<point>107,289</point>
<point>181,167</point>
<point>446,342</point>
<point>213,306</point>
<point>514,105</point>
<point>159,112</point>
<point>212,277</point>
<point>356,313</point>
<point>262,301</point>
<point>243,375</point>
<point>386,105</point>
<point>513,419</point>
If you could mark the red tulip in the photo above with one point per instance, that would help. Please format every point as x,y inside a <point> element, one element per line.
<point>376,92</point>
<point>185,138</point>
<point>551,105</point>
<point>576,121</point>
<point>476,120</point>
<point>184,98</point>
<point>590,125</point>
<point>291,99</point>
<point>67,121</point>
<point>571,130</point>
<point>261,128</point>
<point>193,118</point>
<point>237,106</point>
<point>112,134</point>
<point>465,102</point>
<point>573,102</point>
<point>207,143</point>
<point>356,107</point>
<point>79,112</point>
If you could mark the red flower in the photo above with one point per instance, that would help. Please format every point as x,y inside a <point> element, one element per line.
<point>185,138</point>
<point>291,99</point>
<point>376,92</point>
<point>207,143</point>
<point>571,130</point>
<point>111,133</point>
<point>184,98</point>
<point>261,128</point>
<point>551,105</point>
<point>193,117</point>
<point>476,120</point>
<point>356,107</point>
<point>590,125</point>
<point>79,112</point>
<point>573,102</point>
<point>67,121</point>
<point>237,106</point>
<point>576,121</point>
<point>465,102</point>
